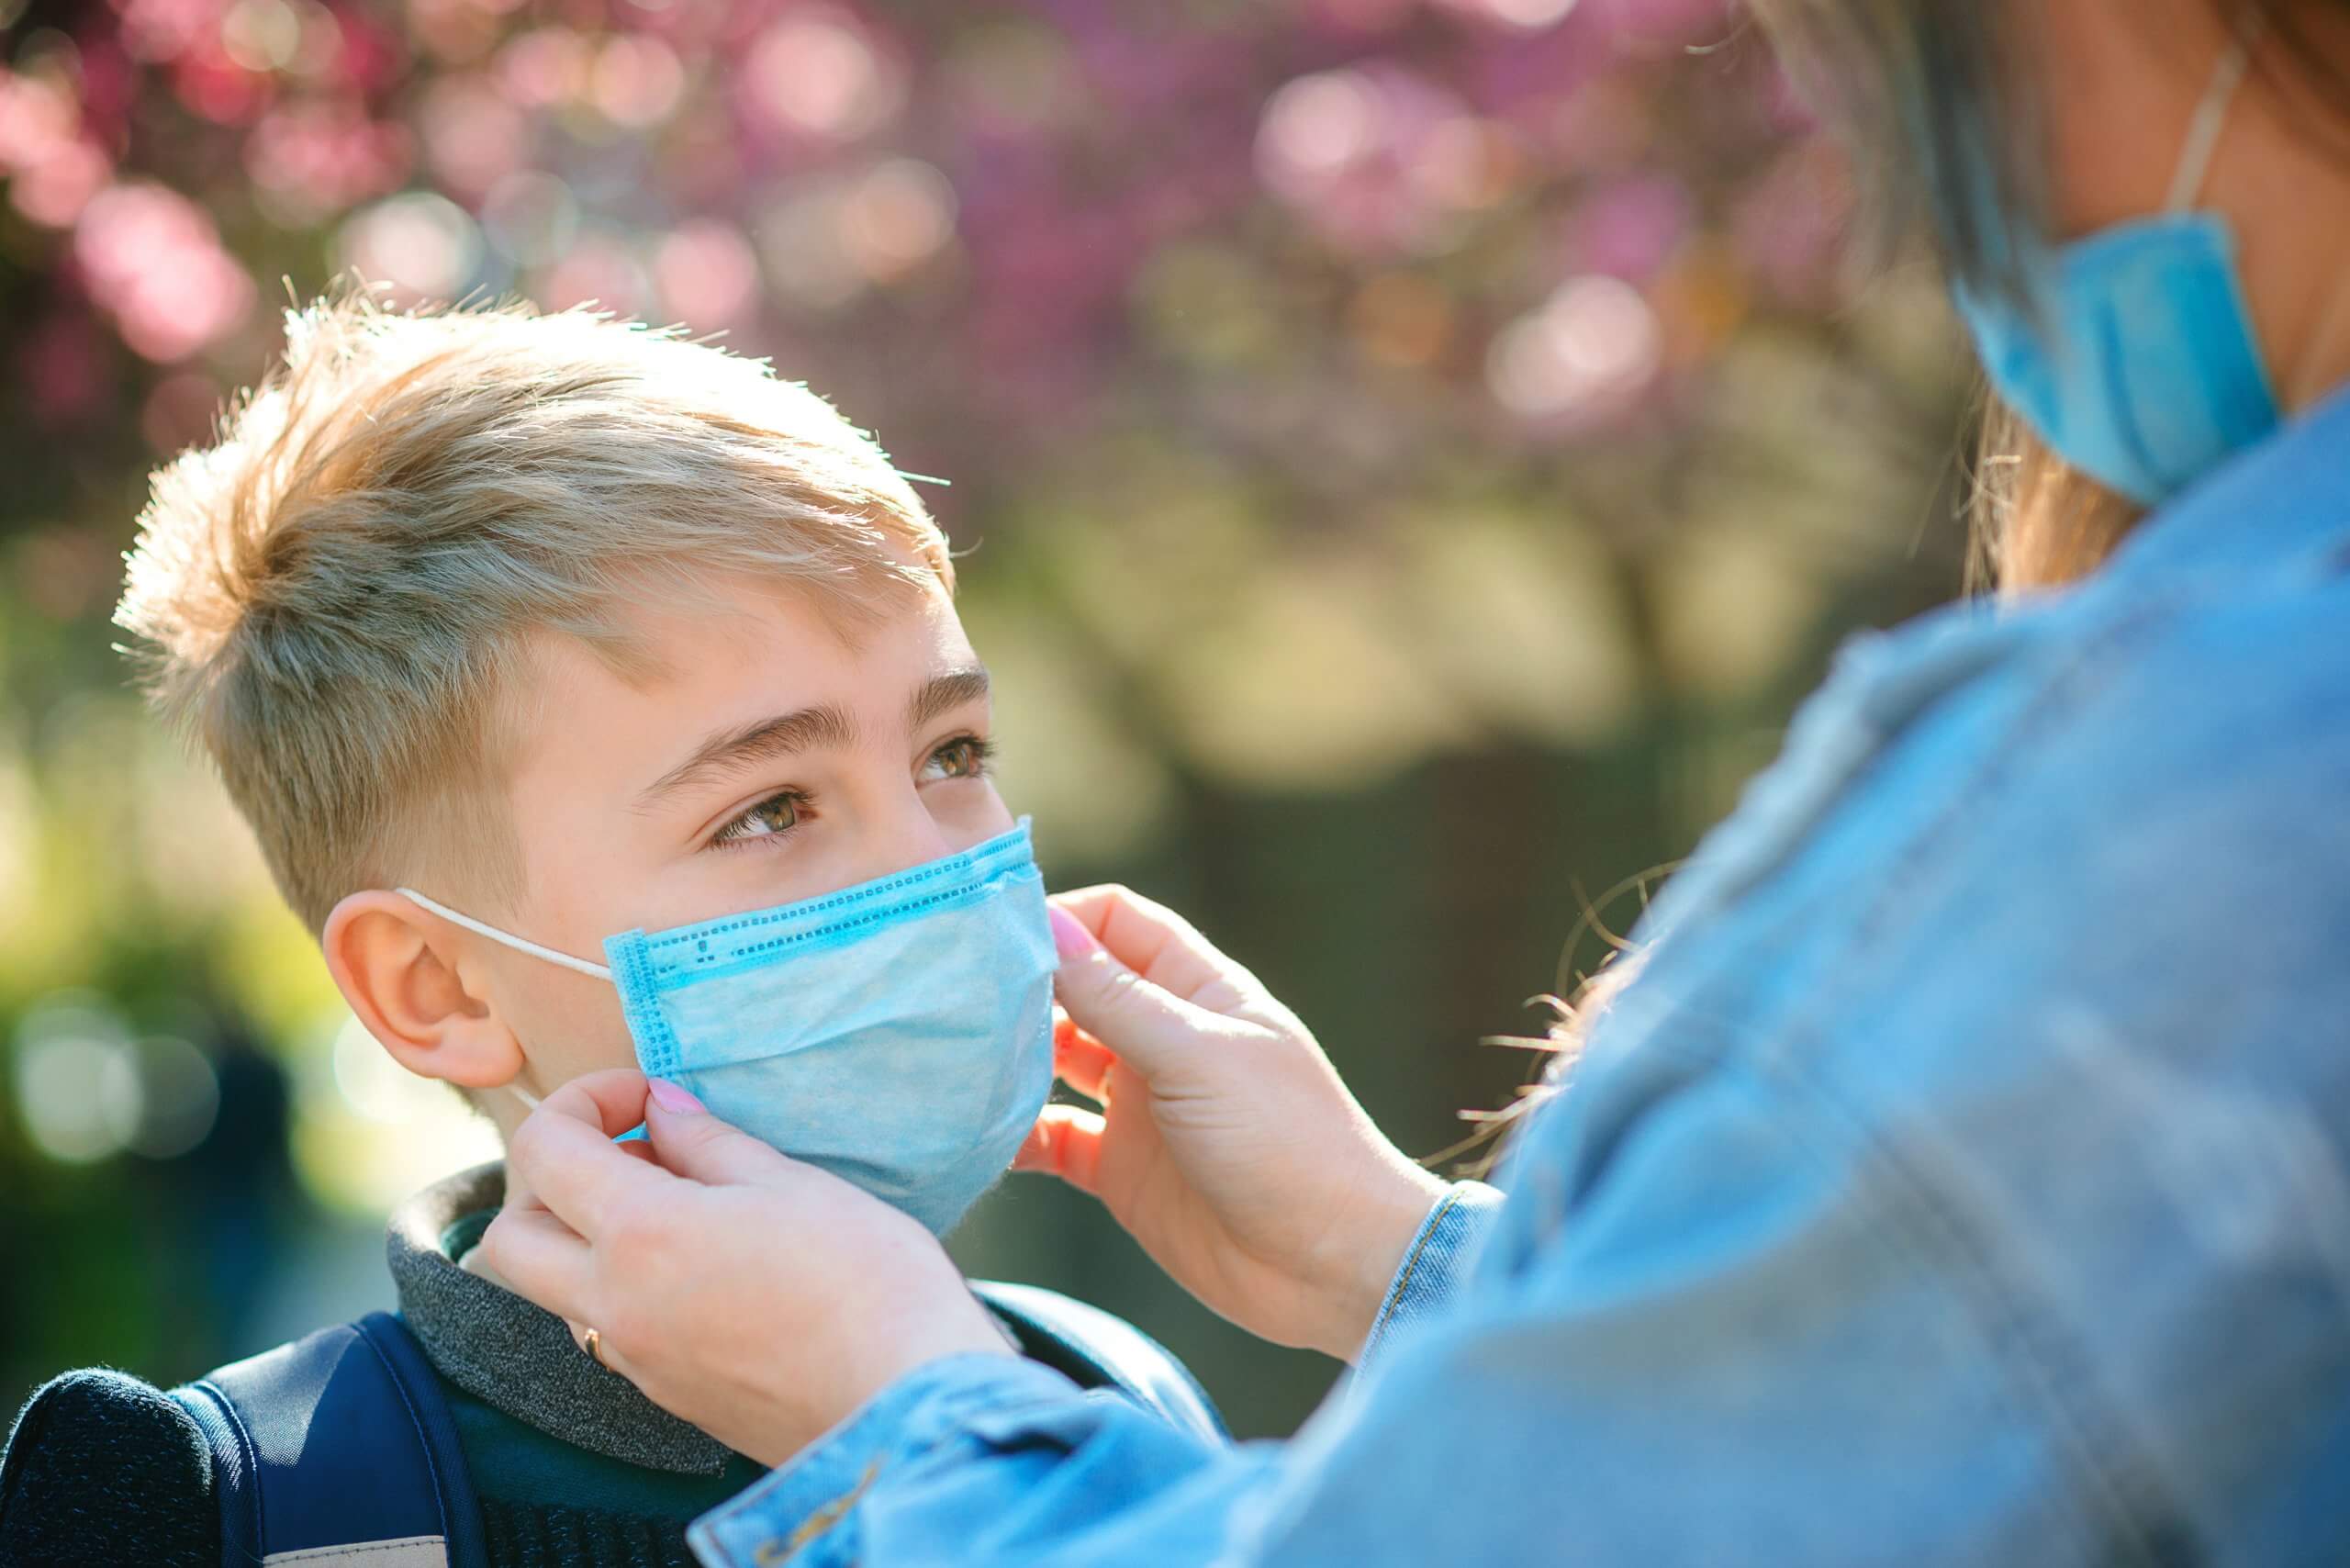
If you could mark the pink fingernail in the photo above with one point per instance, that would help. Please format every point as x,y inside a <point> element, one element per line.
<point>674,1099</point>
<point>1069,936</point>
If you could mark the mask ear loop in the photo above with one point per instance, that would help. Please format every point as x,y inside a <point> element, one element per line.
<point>2211,116</point>
<point>508,939</point>
<point>481,928</point>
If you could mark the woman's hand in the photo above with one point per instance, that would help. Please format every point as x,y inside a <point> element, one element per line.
<point>761,1299</point>
<point>1226,1143</point>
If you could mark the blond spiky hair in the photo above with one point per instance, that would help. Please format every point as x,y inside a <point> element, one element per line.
<point>335,595</point>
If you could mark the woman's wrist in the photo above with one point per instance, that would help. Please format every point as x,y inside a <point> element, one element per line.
<point>910,1343</point>
<point>1378,1234</point>
<point>953,1329</point>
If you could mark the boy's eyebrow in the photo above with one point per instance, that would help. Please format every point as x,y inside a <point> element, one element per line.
<point>810,729</point>
<point>945,693</point>
<point>759,741</point>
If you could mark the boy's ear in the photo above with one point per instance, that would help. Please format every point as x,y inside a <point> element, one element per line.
<point>401,970</point>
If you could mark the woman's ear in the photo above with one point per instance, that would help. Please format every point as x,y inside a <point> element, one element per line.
<point>401,970</point>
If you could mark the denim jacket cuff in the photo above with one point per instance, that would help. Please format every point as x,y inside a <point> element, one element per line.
<point>798,1513</point>
<point>1437,1263</point>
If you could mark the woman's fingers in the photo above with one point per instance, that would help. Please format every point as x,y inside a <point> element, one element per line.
<point>1150,1027</point>
<point>611,1101</point>
<point>603,1099</point>
<point>1066,1142</point>
<point>604,1352</point>
<point>598,1097</point>
<point>1158,943</point>
<point>561,1158</point>
<point>537,1254</point>
<point>1079,1059</point>
<point>691,1141</point>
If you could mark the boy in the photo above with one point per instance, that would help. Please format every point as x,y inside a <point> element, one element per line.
<point>508,632</point>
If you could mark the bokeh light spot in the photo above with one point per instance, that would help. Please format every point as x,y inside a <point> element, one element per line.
<point>706,275</point>
<point>54,191</point>
<point>158,30</point>
<point>600,270</point>
<point>897,218</point>
<point>1529,14</point>
<point>371,1132</point>
<point>473,137</point>
<point>638,81</point>
<point>1594,346</point>
<point>372,1084</point>
<point>424,245</point>
<point>76,1080</point>
<point>1379,157</point>
<point>320,51</point>
<point>261,35</point>
<point>1318,124</point>
<point>310,160</point>
<point>817,73</point>
<point>37,116</point>
<point>546,66</point>
<point>179,1099</point>
<point>153,259</point>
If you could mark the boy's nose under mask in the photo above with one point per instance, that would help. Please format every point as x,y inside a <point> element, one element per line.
<point>898,1034</point>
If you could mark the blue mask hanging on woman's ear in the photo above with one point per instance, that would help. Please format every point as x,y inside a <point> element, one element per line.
<point>2133,355</point>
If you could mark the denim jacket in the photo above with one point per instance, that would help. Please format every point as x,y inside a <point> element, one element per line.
<point>1965,1178</point>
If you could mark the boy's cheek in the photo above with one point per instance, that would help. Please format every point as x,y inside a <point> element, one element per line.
<point>566,1029</point>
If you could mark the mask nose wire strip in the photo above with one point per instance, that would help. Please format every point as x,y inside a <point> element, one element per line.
<point>507,937</point>
<point>2212,117</point>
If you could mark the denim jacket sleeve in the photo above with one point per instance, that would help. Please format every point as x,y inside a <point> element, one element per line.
<point>1436,1265</point>
<point>1658,1385</point>
<point>809,1498</point>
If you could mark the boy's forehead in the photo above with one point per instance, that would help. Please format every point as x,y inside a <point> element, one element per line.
<point>729,653</point>
<point>679,634</point>
<point>661,639</point>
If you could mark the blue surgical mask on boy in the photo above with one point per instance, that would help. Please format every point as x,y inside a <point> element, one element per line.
<point>2134,357</point>
<point>898,1034</point>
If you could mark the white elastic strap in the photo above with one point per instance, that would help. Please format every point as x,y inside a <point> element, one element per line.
<point>2212,117</point>
<point>519,944</point>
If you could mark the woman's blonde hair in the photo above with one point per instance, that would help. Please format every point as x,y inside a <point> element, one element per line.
<point>2038,522</point>
<point>337,596</point>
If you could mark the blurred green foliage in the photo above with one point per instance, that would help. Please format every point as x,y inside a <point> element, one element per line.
<point>1414,454</point>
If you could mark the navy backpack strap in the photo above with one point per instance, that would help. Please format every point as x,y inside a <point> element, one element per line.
<point>1099,1350</point>
<point>338,1449</point>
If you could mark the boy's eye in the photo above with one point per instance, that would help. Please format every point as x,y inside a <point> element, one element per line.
<point>771,818</point>
<point>965,756</point>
